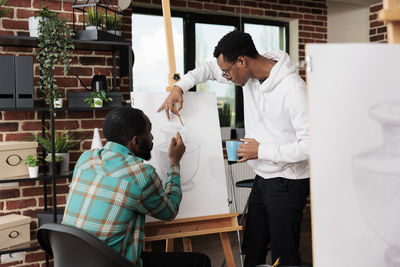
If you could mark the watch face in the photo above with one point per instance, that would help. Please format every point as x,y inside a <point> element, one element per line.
<point>124,4</point>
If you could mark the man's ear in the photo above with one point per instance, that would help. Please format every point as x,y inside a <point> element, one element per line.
<point>242,61</point>
<point>133,144</point>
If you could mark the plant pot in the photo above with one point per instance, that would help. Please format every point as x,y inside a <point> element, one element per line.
<point>65,163</point>
<point>56,169</point>
<point>98,102</point>
<point>225,133</point>
<point>58,103</point>
<point>34,26</point>
<point>33,172</point>
<point>93,27</point>
<point>116,32</point>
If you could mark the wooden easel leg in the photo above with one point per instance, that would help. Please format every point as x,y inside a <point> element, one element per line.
<point>169,245</point>
<point>226,245</point>
<point>187,244</point>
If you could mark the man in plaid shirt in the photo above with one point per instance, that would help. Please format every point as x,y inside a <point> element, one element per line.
<point>112,190</point>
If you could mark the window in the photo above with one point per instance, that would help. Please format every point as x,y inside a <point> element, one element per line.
<point>150,71</point>
<point>195,36</point>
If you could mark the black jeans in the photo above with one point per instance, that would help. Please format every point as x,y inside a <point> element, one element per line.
<point>274,215</point>
<point>175,259</point>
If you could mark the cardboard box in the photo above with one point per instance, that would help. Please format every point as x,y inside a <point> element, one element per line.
<point>14,230</point>
<point>12,159</point>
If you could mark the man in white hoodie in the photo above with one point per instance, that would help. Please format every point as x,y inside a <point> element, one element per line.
<point>276,144</point>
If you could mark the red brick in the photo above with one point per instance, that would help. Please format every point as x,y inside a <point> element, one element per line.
<point>296,16</point>
<point>1,205</point>
<point>270,13</point>
<point>17,136</point>
<point>91,124</point>
<point>278,7</point>
<point>307,16</point>
<point>66,82</point>
<point>6,32</point>
<point>229,9</point>
<point>31,126</point>
<point>195,5</point>
<point>375,24</point>
<point>258,12</point>
<point>376,38</point>
<point>91,61</point>
<point>382,29</point>
<point>20,204</point>
<point>15,24</point>
<point>53,5</point>
<point>29,183</point>
<point>375,8</point>
<point>263,5</point>
<point>25,13</point>
<point>81,71</point>
<point>1,137</point>
<point>178,3</point>
<point>249,3</point>
<point>19,115</point>
<point>8,127</point>
<point>81,114</point>
<point>291,8</point>
<point>20,3</point>
<point>13,263</point>
<point>317,35</point>
<point>9,193</point>
<point>34,191</point>
<point>70,125</point>
<point>35,256</point>
<point>61,200</point>
<point>211,7</point>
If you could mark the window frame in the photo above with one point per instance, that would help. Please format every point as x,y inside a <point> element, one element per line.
<point>189,23</point>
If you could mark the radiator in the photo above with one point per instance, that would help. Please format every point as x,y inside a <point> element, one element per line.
<point>240,171</point>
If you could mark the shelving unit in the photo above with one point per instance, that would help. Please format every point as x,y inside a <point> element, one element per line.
<point>24,41</point>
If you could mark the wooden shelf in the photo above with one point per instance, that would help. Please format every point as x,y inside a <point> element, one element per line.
<point>26,41</point>
<point>40,178</point>
<point>29,246</point>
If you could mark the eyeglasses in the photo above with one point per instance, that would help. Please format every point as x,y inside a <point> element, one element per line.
<point>225,72</point>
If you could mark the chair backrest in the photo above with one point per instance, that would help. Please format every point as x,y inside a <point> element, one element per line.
<point>70,246</point>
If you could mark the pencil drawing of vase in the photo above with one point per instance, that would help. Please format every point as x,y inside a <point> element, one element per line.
<point>377,181</point>
<point>189,163</point>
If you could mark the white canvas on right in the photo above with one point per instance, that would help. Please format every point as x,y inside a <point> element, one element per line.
<point>354,99</point>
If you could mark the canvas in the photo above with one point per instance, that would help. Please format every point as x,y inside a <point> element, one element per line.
<point>354,98</point>
<point>202,166</point>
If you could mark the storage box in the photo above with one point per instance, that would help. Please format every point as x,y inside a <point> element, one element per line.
<point>12,159</point>
<point>14,230</point>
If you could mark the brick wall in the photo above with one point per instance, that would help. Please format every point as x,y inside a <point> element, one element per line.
<point>27,197</point>
<point>377,31</point>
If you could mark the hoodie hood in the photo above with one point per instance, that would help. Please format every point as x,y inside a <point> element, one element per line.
<point>283,67</point>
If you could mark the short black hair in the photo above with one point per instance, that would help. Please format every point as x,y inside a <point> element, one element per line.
<point>123,123</point>
<point>235,44</point>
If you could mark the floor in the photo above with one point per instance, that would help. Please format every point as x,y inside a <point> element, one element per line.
<point>211,245</point>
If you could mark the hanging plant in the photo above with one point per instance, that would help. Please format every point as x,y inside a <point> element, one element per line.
<point>55,45</point>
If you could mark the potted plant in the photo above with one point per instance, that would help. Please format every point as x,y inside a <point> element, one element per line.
<point>94,18</point>
<point>64,141</point>
<point>3,11</point>
<point>224,113</point>
<point>240,130</point>
<point>57,166</point>
<point>58,100</point>
<point>114,24</point>
<point>96,99</point>
<point>33,163</point>
<point>55,43</point>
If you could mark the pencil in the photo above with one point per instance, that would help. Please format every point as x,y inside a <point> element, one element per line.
<point>276,263</point>
<point>179,116</point>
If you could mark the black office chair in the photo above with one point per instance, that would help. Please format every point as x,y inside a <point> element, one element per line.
<point>70,246</point>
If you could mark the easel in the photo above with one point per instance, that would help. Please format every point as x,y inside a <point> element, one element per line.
<point>195,226</point>
<point>391,15</point>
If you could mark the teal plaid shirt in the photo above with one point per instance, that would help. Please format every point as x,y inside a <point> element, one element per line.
<point>110,193</point>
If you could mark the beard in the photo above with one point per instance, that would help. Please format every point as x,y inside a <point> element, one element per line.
<point>145,151</point>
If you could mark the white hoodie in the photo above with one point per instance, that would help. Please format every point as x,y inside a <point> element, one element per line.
<point>275,114</point>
